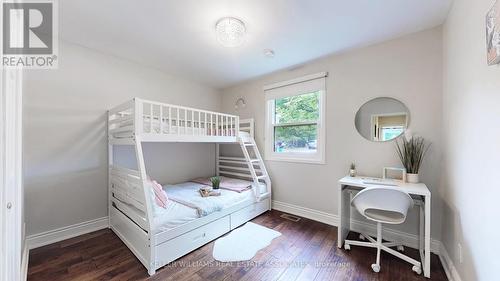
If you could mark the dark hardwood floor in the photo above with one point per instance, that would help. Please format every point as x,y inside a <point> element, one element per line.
<point>307,250</point>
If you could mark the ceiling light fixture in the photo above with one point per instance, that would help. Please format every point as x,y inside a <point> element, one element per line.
<point>230,31</point>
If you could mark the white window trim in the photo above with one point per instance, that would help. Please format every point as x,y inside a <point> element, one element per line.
<point>314,158</point>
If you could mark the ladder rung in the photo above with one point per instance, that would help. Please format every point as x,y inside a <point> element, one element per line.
<point>236,174</point>
<point>254,160</point>
<point>263,195</point>
<point>232,158</point>
<point>237,162</point>
<point>249,144</point>
<point>237,168</point>
<point>262,177</point>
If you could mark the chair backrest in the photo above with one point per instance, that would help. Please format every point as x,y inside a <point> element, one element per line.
<point>382,204</point>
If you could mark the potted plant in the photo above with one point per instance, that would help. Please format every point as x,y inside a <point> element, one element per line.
<point>411,151</point>
<point>352,170</point>
<point>215,182</point>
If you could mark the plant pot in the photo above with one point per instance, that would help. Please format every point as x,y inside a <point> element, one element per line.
<point>412,178</point>
<point>352,172</point>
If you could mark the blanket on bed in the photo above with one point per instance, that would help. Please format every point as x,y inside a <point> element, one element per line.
<point>227,183</point>
<point>188,194</point>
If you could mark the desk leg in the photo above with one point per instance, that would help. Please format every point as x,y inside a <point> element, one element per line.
<point>427,242</point>
<point>344,205</point>
<point>421,228</point>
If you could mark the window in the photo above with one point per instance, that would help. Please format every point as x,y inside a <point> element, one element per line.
<point>295,120</point>
<point>389,133</point>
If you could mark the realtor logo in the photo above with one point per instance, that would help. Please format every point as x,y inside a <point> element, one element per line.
<point>29,34</point>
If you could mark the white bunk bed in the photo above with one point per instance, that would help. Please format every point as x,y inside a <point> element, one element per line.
<point>155,240</point>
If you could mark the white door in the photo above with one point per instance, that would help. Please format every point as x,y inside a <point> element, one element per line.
<point>11,188</point>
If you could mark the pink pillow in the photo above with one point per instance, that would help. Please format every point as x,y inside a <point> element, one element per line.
<point>161,197</point>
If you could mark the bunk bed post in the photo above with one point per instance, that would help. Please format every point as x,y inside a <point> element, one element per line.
<point>145,186</point>
<point>237,129</point>
<point>138,117</point>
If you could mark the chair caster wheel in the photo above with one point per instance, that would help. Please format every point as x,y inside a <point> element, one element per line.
<point>417,269</point>
<point>375,267</point>
<point>347,247</point>
<point>401,248</point>
<point>361,237</point>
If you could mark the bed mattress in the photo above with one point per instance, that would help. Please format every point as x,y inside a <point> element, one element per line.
<point>176,214</point>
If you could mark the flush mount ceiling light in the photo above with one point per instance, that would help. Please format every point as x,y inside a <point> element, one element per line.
<point>230,31</point>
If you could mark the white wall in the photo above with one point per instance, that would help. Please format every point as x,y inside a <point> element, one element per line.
<point>408,69</point>
<point>471,108</point>
<point>65,147</point>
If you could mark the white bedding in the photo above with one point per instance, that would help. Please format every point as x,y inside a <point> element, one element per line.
<point>177,214</point>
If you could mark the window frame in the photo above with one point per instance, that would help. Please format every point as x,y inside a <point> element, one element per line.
<point>319,157</point>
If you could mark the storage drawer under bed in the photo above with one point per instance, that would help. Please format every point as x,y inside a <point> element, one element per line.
<point>187,242</point>
<point>242,216</point>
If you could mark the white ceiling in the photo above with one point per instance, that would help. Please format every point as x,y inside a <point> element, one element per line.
<point>178,36</point>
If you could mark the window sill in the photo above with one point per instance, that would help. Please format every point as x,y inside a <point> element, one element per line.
<point>296,160</point>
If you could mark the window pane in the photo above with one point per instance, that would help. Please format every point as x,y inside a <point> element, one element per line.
<point>389,133</point>
<point>295,109</point>
<point>301,138</point>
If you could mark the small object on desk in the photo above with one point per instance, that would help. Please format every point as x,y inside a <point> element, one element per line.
<point>387,170</point>
<point>352,171</point>
<point>411,150</point>
<point>377,181</point>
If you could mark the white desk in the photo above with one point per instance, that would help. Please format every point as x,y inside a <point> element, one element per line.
<point>418,191</point>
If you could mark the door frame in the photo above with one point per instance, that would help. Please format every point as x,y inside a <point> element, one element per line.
<point>11,187</point>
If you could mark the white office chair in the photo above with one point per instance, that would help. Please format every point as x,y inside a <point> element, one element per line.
<point>383,205</point>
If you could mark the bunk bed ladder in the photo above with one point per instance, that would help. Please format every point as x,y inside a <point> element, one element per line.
<point>256,161</point>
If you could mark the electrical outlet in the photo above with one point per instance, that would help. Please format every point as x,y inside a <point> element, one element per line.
<point>459,253</point>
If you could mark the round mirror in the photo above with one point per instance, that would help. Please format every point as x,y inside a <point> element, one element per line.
<point>382,119</point>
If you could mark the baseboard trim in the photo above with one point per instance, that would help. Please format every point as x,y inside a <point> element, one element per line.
<point>407,239</point>
<point>306,212</point>
<point>63,233</point>
<point>24,262</point>
<point>449,267</point>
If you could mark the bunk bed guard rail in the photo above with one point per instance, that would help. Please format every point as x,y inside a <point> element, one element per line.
<point>150,118</point>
